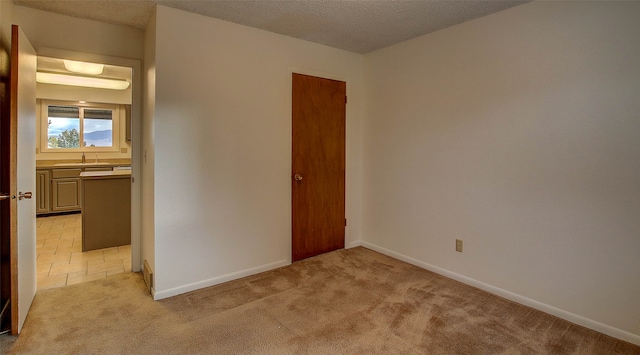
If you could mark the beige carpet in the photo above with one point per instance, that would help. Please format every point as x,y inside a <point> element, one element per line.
<point>352,301</point>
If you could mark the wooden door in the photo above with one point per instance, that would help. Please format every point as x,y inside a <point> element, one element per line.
<point>318,176</point>
<point>5,199</point>
<point>22,175</point>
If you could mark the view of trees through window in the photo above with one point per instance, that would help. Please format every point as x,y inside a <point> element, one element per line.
<point>75,127</point>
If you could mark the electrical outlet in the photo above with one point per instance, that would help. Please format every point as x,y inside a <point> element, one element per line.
<point>459,245</point>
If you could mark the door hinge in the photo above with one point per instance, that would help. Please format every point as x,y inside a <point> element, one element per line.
<point>345,100</point>
<point>345,222</point>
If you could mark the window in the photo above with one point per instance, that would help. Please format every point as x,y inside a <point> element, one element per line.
<point>80,127</point>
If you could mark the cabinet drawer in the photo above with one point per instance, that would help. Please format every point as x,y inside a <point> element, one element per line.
<point>65,173</point>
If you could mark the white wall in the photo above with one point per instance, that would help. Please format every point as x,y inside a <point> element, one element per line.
<point>50,30</point>
<point>222,132</point>
<point>518,133</point>
<point>75,93</point>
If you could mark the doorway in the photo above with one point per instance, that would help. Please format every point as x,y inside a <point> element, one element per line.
<point>102,119</point>
<point>26,254</point>
<point>318,165</point>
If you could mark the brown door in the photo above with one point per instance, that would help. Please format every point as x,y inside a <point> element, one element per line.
<point>5,202</point>
<point>318,176</point>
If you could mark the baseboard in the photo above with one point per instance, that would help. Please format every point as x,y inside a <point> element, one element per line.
<point>158,295</point>
<point>571,317</point>
<point>355,244</point>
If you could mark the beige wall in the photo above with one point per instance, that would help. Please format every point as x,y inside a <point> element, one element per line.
<point>222,133</point>
<point>6,20</point>
<point>74,93</point>
<point>50,30</point>
<point>518,133</point>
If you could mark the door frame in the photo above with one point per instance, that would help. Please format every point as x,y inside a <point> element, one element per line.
<point>136,137</point>
<point>290,70</point>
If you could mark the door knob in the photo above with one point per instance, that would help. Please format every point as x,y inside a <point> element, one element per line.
<point>26,195</point>
<point>297,177</point>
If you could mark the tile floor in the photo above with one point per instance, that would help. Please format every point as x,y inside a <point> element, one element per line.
<point>60,258</point>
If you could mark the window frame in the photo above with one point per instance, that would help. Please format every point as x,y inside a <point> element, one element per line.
<point>44,126</point>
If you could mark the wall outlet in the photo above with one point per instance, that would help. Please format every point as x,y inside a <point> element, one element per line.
<point>459,245</point>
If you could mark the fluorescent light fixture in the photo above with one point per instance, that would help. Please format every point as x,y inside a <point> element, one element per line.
<point>83,67</point>
<point>71,80</point>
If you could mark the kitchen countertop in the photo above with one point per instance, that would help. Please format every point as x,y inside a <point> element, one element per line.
<point>105,174</point>
<point>49,164</point>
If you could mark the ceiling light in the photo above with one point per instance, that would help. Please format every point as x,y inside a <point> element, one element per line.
<point>83,67</point>
<point>71,80</point>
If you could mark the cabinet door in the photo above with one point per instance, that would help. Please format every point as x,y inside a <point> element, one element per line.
<point>65,194</point>
<point>42,191</point>
<point>106,212</point>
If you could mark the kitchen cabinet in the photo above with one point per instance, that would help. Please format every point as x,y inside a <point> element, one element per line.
<point>59,189</point>
<point>43,181</point>
<point>65,195</point>
<point>65,190</point>
<point>106,209</point>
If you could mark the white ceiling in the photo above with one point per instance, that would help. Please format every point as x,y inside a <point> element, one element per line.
<point>359,26</point>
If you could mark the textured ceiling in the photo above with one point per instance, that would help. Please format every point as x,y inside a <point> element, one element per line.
<point>358,26</point>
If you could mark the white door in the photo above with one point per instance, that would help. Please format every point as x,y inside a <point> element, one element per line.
<point>23,167</point>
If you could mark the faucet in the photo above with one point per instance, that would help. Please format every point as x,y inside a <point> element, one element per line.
<point>83,158</point>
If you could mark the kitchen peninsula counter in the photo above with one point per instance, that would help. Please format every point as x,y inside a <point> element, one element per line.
<point>106,209</point>
<point>106,174</point>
